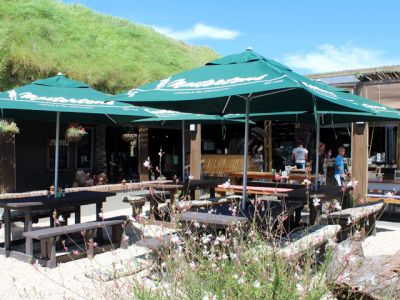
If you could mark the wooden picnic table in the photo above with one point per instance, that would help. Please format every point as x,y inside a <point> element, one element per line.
<point>30,205</point>
<point>191,186</point>
<point>267,215</point>
<point>254,190</point>
<point>271,177</point>
<point>385,185</point>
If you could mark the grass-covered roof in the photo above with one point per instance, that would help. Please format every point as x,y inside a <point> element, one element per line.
<point>39,38</point>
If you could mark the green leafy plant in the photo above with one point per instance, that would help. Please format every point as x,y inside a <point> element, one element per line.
<point>8,128</point>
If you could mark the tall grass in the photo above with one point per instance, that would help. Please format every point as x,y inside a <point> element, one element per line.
<point>39,38</point>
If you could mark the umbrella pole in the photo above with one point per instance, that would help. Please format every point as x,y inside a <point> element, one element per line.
<point>56,159</point>
<point>317,151</point>
<point>246,153</point>
<point>183,150</point>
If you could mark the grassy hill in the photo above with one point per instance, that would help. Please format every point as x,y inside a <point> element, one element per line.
<point>39,38</point>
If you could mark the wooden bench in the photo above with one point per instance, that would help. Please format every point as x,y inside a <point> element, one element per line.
<point>206,203</point>
<point>298,242</point>
<point>211,220</point>
<point>47,237</point>
<point>350,217</point>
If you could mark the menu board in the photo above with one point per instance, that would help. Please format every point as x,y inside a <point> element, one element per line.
<point>63,162</point>
<point>84,150</point>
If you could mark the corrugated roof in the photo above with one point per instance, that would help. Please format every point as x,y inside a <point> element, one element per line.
<point>366,74</point>
<point>338,79</point>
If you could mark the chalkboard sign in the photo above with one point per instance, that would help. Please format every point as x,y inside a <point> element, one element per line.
<point>63,162</point>
<point>84,151</point>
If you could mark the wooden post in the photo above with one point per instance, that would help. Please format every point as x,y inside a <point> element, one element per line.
<point>195,153</point>
<point>195,156</point>
<point>268,145</point>
<point>398,147</point>
<point>143,140</point>
<point>7,167</point>
<point>359,159</point>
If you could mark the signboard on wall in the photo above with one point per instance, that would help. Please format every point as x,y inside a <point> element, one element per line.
<point>63,154</point>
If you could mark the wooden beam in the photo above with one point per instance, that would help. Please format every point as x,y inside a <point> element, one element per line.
<point>268,145</point>
<point>195,156</point>
<point>7,166</point>
<point>398,146</point>
<point>143,142</point>
<point>195,153</point>
<point>359,159</point>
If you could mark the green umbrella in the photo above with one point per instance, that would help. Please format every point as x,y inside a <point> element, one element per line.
<point>246,82</point>
<point>74,99</point>
<point>164,116</point>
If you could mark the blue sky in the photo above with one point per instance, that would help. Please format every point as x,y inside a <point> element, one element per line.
<point>310,36</point>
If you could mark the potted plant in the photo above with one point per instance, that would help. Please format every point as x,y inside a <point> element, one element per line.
<point>129,137</point>
<point>75,133</point>
<point>8,130</point>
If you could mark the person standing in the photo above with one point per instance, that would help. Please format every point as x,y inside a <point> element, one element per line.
<point>340,171</point>
<point>300,155</point>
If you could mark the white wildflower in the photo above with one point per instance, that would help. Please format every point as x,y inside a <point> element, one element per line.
<point>233,255</point>
<point>191,177</point>
<point>316,201</point>
<point>389,194</point>
<point>227,184</point>
<point>61,219</point>
<point>224,256</point>
<point>147,164</point>
<point>192,265</point>
<point>299,288</point>
<point>196,224</point>
<point>175,239</point>
<point>241,280</point>
<point>221,238</point>
<point>257,284</point>
<point>338,206</point>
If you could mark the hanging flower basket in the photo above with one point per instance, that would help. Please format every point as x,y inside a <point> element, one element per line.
<point>7,131</point>
<point>129,137</point>
<point>75,133</point>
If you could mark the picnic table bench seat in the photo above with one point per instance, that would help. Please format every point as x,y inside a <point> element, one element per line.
<point>207,203</point>
<point>47,237</point>
<point>350,217</point>
<point>211,220</point>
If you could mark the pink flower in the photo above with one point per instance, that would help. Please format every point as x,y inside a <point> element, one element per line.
<point>75,252</point>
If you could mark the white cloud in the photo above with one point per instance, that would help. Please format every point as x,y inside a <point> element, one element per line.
<point>329,58</point>
<point>199,31</point>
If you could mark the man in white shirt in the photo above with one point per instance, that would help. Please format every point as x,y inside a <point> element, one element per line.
<point>300,156</point>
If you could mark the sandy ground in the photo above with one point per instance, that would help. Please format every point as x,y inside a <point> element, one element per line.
<point>19,280</point>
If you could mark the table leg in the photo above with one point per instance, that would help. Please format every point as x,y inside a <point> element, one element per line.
<point>212,192</point>
<point>7,229</point>
<point>77,214</point>
<point>99,210</point>
<point>27,228</point>
<point>313,212</point>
